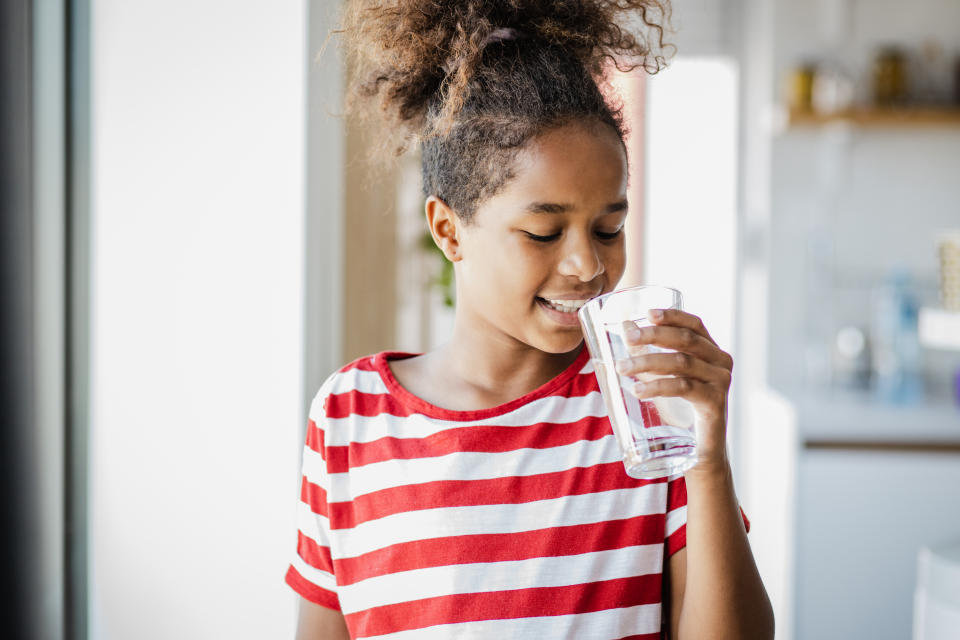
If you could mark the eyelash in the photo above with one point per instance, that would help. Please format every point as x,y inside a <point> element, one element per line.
<point>550,238</point>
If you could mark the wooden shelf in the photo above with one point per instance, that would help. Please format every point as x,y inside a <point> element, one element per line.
<point>901,117</point>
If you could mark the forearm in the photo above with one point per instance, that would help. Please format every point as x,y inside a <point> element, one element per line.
<point>724,596</point>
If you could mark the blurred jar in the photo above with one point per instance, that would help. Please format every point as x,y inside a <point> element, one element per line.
<point>890,77</point>
<point>800,92</point>
<point>832,90</point>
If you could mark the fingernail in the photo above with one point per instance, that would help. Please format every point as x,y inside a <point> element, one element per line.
<point>656,314</point>
<point>633,332</point>
<point>621,367</point>
<point>639,387</point>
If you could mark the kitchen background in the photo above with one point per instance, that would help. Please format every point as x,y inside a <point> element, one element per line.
<point>195,241</point>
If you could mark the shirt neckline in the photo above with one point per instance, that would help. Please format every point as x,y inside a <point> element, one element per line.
<point>419,405</point>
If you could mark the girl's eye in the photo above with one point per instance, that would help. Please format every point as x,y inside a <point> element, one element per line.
<point>542,238</point>
<point>600,234</point>
<point>609,236</point>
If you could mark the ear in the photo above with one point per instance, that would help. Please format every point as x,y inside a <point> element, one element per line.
<point>444,227</point>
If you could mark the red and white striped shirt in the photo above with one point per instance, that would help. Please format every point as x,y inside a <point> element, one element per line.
<point>517,521</point>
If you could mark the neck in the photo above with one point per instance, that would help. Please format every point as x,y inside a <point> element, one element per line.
<point>489,360</point>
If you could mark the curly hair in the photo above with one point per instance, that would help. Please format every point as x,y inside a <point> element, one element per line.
<point>473,81</point>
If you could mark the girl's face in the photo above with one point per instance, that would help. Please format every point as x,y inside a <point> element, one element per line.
<point>548,241</point>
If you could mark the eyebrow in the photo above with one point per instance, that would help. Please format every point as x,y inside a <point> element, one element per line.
<point>557,207</point>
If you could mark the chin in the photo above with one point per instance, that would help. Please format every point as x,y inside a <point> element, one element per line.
<point>560,343</point>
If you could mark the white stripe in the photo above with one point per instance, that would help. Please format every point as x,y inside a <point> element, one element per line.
<point>313,525</point>
<point>407,526</point>
<point>676,519</point>
<point>315,468</point>
<point>354,428</point>
<point>595,625</point>
<point>559,571</point>
<point>360,380</point>
<point>465,465</point>
<point>314,576</point>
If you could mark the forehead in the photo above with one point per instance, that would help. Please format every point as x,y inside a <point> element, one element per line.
<point>579,164</point>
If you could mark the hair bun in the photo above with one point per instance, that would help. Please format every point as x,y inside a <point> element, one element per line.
<point>415,54</point>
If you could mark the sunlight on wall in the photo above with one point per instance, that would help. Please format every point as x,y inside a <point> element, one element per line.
<point>690,241</point>
<point>197,341</point>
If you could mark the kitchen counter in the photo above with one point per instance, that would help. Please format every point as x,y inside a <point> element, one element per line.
<point>854,418</point>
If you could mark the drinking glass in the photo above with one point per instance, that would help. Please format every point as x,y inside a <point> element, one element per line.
<point>656,435</point>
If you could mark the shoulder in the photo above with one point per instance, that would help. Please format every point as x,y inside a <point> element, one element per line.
<point>353,384</point>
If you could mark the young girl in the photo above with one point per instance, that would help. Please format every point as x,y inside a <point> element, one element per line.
<point>477,491</point>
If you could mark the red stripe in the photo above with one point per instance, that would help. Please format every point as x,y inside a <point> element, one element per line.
<point>500,547</point>
<point>314,496</point>
<point>310,591</point>
<point>676,493</point>
<point>366,363</point>
<point>313,554</point>
<point>493,439</point>
<point>358,403</point>
<point>464,493</point>
<point>582,384</point>
<point>361,403</point>
<point>315,438</point>
<point>502,605</point>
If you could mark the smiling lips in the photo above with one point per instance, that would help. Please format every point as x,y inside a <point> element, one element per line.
<point>565,306</point>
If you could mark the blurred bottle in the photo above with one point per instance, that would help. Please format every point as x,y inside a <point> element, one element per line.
<point>890,77</point>
<point>896,345</point>
<point>851,359</point>
<point>800,92</point>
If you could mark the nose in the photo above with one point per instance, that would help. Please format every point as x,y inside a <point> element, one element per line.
<point>580,258</point>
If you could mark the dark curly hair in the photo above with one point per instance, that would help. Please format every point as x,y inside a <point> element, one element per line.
<point>474,80</point>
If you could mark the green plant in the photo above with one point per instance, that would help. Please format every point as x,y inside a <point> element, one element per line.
<point>443,280</point>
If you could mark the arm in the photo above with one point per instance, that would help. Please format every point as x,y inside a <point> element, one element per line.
<point>713,586</point>
<point>320,623</point>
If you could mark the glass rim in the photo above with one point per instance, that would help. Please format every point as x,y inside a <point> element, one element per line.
<point>599,299</point>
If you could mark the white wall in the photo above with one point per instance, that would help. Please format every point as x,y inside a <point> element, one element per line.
<point>691,163</point>
<point>196,337</point>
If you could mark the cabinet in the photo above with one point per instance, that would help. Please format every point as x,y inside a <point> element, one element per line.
<point>862,517</point>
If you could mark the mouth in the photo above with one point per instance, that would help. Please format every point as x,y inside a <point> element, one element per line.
<point>563,312</point>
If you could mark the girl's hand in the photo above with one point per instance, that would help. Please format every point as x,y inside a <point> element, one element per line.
<point>700,372</point>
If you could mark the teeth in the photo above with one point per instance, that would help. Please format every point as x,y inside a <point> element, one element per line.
<point>566,306</point>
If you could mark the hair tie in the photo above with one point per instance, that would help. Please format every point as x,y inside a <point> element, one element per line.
<point>501,34</point>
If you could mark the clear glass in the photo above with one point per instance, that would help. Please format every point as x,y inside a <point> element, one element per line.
<point>656,435</point>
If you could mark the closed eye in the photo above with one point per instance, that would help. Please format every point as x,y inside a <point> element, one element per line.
<point>609,236</point>
<point>549,238</point>
<point>600,234</point>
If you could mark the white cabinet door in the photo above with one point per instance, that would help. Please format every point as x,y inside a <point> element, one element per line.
<point>861,519</point>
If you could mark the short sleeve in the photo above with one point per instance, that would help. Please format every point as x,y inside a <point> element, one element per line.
<point>311,570</point>
<point>676,534</point>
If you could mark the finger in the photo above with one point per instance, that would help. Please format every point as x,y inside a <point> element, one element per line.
<point>679,318</point>
<point>676,363</point>
<point>706,397</point>
<point>680,339</point>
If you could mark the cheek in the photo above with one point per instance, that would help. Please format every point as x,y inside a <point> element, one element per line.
<point>615,260</point>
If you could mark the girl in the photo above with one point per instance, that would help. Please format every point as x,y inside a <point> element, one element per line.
<point>476,491</point>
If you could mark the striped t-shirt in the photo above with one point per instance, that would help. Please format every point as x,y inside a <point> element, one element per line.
<point>517,521</point>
